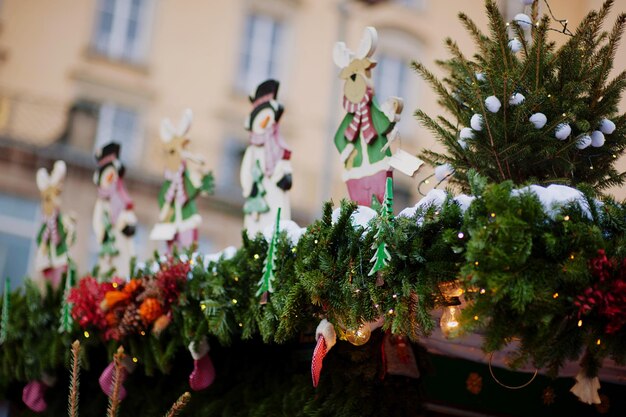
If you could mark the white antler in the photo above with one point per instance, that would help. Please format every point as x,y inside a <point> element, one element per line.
<point>58,173</point>
<point>43,179</point>
<point>368,43</point>
<point>342,55</point>
<point>185,123</point>
<point>167,130</point>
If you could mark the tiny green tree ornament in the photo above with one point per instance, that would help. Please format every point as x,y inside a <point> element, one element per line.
<point>66,321</point>
<point>255,203</point>
<point>6,301</point>
<point>266,282</point>
<point>382,256</point>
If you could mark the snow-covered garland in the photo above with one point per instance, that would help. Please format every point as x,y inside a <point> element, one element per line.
<point>524,257</point>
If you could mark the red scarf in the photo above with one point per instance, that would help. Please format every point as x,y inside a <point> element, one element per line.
<point>274,145</point>
<point>362,120</point>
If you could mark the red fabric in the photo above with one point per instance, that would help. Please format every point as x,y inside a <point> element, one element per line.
<point>362,189</point>
<point>362,120</point>
<point>318,357</point>
<point>32,395</point>
<point>106,381</point>
<point>203,373</point>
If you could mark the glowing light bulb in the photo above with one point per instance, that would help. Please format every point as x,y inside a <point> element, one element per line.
<point>86,334</point>
<point>450,326</point>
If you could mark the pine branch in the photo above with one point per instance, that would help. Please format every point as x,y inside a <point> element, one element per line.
<point>74,380</point>
<point>179,405</point>
<point>114,400</point>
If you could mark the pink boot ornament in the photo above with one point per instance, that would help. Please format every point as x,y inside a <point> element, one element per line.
<point>203,373</point>
<point>34,391</point>
<point>107,376</point>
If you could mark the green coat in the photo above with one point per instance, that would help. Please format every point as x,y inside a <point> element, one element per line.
<point>189,208</point>
<point>61,247</point>
<point>382,125</point>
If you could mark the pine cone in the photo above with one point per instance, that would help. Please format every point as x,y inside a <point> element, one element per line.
<point>131,321</point>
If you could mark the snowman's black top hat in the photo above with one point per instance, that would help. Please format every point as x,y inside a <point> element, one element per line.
<point>264,97</point>
<point>109,155</point>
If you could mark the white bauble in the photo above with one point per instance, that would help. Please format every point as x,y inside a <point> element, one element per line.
<point>607,127</point>
<point>462,143</point>
<point>480,76</point>
<point>583,141</point>
<point>539,120</point>
<point>493,104</point>
<point>515,45</point>
<point>443,171</point>
<point>562,131</point>
<point>516,99</point>
<point>477,122</point>
<point>466,133</point>
<point>523,21</point>
<point>527,2</point>
<point>597,139</point>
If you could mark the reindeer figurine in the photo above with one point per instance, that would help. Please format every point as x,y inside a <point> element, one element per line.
<point>266,168</point>
<point>185,178</point>
<point>366,131</point>
<point>57,233</point>
<point>114,221</point>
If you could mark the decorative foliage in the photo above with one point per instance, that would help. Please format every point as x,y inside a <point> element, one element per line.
<point>565,86</point>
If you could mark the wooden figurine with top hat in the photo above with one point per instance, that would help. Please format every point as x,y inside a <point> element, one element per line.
<point>367,129</point>
<point>114,220</point>
<point>186,177</point>
<point>266,175</point>
<point>57,233</point>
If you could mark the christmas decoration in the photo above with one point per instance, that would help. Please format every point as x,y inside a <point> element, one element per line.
<point>114,375</point>
<point>56,234</point>
<point>203,373</point>
<point>548,396</point>
<point>364,134</point>
<point>114,221</point>
<point>6,306</point>
<point>326,339</point>
<point>360,335</point>
<point>466,133</point>
<point>586,389</point>
<point>516,99</point>
<point>523,21</point>
<point>185,178</point>
<point>65,325</point>
<point>474,383</point>
<point>385,217</point>
<point>266,174</point>
<point>607,127</point>
<point>477,122</point>
<point>34,392</point>
<point>507,148</point>
<point>583,142</point>
<point>493,104</point>
<point>597,139</point>
<point>398,356</point>
<point>442,172</point>
<point>266,283</point>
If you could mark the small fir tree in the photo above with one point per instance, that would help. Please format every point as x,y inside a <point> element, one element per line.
<point>524,110</point>
<point>266,283</point>
<point>382,256</point>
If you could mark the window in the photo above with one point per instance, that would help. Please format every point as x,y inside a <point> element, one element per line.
<point>18,228</point>
<point>119,124</point>
<point>121,29</point>
<point>390,80</point>
<point>260,51</point>
<point>230,165</point>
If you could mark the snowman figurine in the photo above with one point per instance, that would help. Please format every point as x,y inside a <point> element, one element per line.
<point>114,221</point>
<point>366,131</point>
<point>266,168</point>
<point>57,233</point>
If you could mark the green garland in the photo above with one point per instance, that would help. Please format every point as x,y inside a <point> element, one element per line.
<point>508,253</point>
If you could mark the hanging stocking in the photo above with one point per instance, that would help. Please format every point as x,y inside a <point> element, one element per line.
<point>326,339</point>
<point>107,376</point>
<point>34,391</point>
<point>203,373</point>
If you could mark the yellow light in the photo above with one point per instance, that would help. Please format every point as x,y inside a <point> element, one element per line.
<point>571,256</point>
<point>566,218</point>
<point>143,333</point>
<point>115,285</point>
<point>564,114</point>
<point>580,323</point>
<point>236,278</point>
<point>493,214</point>
<point>240,324</point>
<point>234,301</point>
<point>549,95</point>
<point>191,261</point>
<point>390,311</point>
<point>316,241</point>
<point>476,263</point>
<point>614,156</point>
<point>555,295</point>
<point>482,291</point>
<point>598,342</point>
<point>86,333</point>
<point>202,307</point>
<point>475,317</point>
<point>293,250</point>
<point>426,181</point>
<point>135,359</point>
<point>256,256</point>
<point>449,321</point>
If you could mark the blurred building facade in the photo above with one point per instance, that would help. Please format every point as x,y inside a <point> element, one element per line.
<point>76,74</point>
